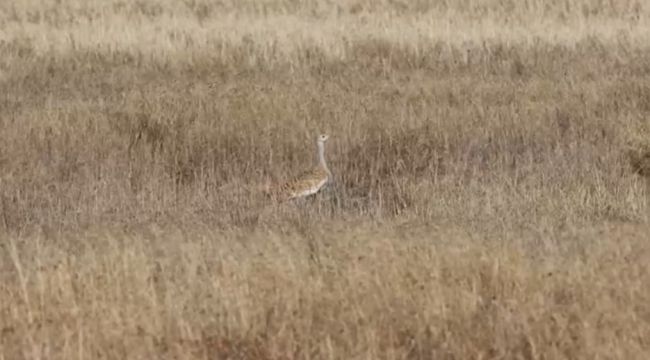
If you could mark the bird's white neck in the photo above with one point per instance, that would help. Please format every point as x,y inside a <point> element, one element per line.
<point>321,155</point>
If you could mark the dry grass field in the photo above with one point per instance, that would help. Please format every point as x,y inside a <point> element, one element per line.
<point>490,194</point>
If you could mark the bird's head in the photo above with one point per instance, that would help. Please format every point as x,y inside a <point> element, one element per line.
<point>322,138</point>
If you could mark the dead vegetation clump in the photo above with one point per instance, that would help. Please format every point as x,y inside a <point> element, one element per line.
<point>640,162</point>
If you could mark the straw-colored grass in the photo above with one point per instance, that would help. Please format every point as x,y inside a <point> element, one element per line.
<point>490,161</point>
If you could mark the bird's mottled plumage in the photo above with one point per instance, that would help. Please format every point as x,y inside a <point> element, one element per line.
<point>309,182</point>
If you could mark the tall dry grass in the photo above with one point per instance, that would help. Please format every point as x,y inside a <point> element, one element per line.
<point>331,292</point>
<point>489,197</point>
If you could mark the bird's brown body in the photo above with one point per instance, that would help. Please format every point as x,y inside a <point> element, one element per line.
<point>307,183</point>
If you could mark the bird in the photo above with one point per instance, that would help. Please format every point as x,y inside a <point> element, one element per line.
<point>309,182</point>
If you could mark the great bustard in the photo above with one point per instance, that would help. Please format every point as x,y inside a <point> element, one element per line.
<point>309,182</point>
